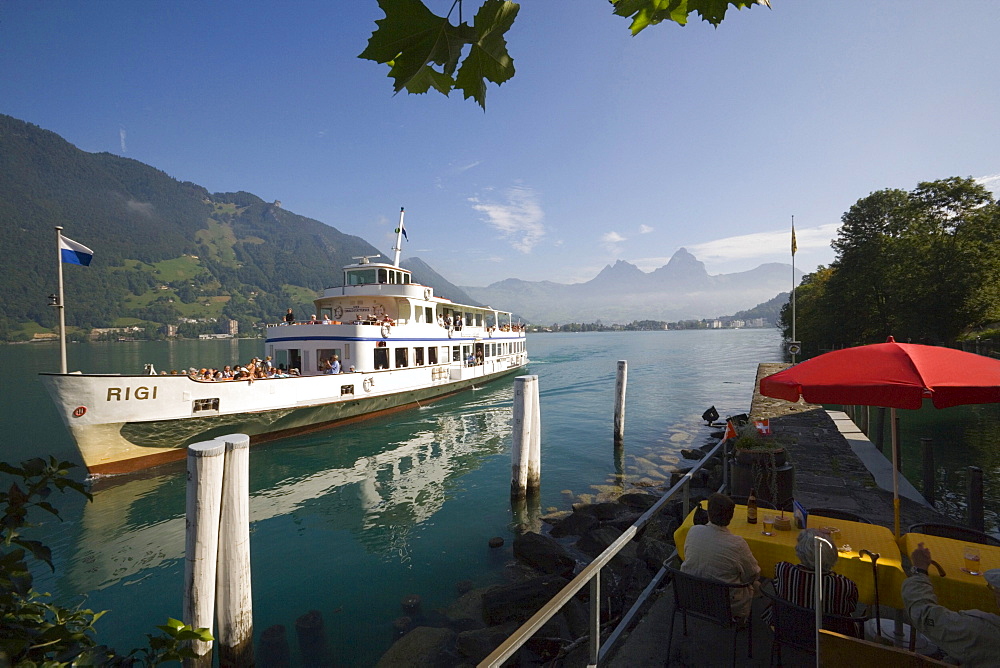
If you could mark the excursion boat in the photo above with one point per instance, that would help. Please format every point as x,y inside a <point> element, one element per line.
<point>398,345</point>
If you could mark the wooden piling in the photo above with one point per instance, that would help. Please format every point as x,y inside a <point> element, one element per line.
<point>535,452</point>
<point>927,457</point>
<point>311,634</point>
<point>621,380</point>
<point>234,605</point>
<point>880,428</point>
<point>976,519</point>
<point>205,466</point>
<point>274,651</point>
<point>526,424</point>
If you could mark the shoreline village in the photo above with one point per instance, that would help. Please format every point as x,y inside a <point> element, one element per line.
<point>394,342</point>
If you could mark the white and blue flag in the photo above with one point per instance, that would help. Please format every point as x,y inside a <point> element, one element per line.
<point>73,252</point>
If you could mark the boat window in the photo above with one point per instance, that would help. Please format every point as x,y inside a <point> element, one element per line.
<point>418,356</point>
<point>205,405</point>
<point>281,358</point>
<point>360,276</point>
<point>381,358</point>
<point>346,389</point>
<point>401,358</point>
<point>456,353</point>
<point>324,354</point>
<point>406,278</point>
<point>428,314</point>
<point>432,355</point>
<point>382,276</point>
<point>393,276</point>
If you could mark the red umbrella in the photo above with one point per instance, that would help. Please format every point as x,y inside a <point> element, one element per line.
<point>894,375</point>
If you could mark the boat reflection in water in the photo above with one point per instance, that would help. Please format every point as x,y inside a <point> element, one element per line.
<point>378,493</point>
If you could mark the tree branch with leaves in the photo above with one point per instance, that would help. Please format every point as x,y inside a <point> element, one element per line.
<point>424,50</point>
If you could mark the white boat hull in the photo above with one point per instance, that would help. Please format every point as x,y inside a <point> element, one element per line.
<point>127,423</point>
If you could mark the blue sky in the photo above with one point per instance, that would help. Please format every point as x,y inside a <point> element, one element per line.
<point>603,146</point>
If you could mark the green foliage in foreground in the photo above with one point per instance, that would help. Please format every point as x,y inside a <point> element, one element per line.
<point>922,266</point>
<point>423,50</point>
<point>37,632</point>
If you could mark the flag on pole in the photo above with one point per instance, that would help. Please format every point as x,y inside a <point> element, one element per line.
<point>730,430</point>
<point>795,246</point>
<point>403,228</point>
<point>73,252</point>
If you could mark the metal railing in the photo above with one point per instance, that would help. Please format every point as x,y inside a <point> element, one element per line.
<point>591,575</point>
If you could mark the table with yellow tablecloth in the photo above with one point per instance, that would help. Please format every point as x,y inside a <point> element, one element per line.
<point>769,550</point>
<point>957,590</point>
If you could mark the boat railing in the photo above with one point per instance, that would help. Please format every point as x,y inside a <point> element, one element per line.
<point>591,574</point>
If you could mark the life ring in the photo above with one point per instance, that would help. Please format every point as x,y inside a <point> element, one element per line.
<point>368,384</point>
<point>338,312</point>
<point>427,293</point>
<point>385,331</point>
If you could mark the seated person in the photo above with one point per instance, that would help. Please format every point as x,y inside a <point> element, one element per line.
<point>326,319</point>
<point>712,551</point>
<point>797,582</point>
<point>970,636</point>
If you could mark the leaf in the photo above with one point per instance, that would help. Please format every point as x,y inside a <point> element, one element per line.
<point>489,59</point>
<point>645,13</point>
<point>39,550</point>
<point>410,38</point>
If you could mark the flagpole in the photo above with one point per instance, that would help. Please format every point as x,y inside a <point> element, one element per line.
<point>399,239</point>
<point>793,284</point>
<point>59,305</point>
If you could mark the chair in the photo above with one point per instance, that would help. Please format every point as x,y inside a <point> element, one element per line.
<point>954,532</point>
<point>834,514</point>
<point>742,501</point>
<point>795,625</point>
<point>708,600</point>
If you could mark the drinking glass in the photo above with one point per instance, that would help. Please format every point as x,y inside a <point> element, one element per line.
<point>768,525</point>
<point>972,561</point>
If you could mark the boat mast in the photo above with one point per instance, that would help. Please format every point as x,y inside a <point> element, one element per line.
<point>399,239</point>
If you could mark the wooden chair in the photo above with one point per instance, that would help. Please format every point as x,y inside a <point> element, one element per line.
<point>956,532</point>
<point>708,600</point>
<point>840,650</point>
<point>835,514</point>
<point>795,626</point>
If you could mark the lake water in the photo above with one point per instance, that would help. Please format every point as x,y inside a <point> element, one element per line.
<point>351,520</point>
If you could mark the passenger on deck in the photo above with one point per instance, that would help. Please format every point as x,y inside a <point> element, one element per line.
<point>970,636</point>
<point>334,364</point>
<point>712,551</point>
<point>289,318</point>
<point>326,319</point>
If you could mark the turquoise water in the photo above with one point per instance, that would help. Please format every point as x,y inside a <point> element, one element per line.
<point>350,520</point>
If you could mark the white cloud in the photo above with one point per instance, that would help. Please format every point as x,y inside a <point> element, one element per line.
<point>991,183</point>
<point>121,136</point>
<point>766,246</point>
<point>519,219</point>
<point>611,241</point>
<point>645,229</point>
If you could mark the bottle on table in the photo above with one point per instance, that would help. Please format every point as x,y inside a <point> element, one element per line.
<point>751,508</point>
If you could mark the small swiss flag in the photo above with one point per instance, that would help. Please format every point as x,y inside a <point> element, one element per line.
<point>763,426</point>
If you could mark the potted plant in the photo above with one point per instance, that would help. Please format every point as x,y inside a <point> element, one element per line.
<point>761,463</point>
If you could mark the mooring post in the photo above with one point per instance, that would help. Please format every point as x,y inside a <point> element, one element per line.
<point>535,452</point>
<point>927,457</point>
<point>234,605</point>
<point>621,380</point>
<point>524,423</point>
<point>205,466</point>
<point>976,520</point>
<point>899,448</point>
<point>880,428</point>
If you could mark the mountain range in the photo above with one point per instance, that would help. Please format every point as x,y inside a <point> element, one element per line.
<point>169,251</point>
<point>682,289</point>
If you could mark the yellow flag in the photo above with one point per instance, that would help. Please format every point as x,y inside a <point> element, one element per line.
<point>794,245</point>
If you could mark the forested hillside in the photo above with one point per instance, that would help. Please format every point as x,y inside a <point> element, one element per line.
<point>166,251</point>
<point>922,266</point>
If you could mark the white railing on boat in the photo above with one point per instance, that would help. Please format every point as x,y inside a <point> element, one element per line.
<point>591,574</point>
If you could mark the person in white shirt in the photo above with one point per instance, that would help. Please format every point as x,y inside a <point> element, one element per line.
<point>970,636</point>
<point>712,551</point>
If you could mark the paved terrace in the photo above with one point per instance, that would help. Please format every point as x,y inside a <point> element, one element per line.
<point>835,467</point>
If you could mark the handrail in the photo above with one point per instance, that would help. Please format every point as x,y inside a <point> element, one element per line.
<point>591,574</point>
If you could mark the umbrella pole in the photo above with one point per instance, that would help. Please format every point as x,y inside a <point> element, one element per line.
<point>895,471</point>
